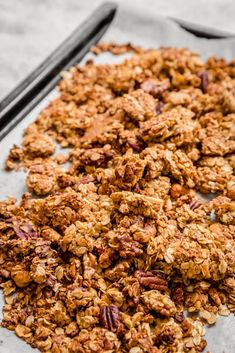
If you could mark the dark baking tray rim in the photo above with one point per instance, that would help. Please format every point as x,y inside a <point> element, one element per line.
<point>18,103</point>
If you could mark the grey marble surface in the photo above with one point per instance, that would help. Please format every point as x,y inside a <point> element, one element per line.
<point>31,29</point>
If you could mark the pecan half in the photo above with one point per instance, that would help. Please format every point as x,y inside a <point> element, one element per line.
<point>25,231</point>
<point>155,87</point>
<point>214,295</point>
<point>110,317</point>
<point>159,107</point>
<point>204,81</point>
<point>87,179</point>
<point>150,280</point>
<point>177,295</point>
<point>179,317</point>
<point>194,205</point>
<point>135,144</point>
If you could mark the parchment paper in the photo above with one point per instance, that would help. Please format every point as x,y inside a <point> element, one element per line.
<point>142,27</point>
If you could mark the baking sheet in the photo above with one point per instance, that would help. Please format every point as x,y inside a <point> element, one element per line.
<point>141,27</point>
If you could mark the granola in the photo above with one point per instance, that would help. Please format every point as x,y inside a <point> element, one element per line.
<point>110,252</point>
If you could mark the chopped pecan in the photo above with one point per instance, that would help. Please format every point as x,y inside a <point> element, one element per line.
<point>177,295</point>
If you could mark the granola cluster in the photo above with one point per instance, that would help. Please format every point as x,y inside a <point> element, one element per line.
<point>114,247</point>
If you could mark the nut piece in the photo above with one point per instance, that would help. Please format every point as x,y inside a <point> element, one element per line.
<point>152,281</point>
<point>195,204</point>
<point>204,81</point>
<point>155,87</point>
<point>110,317</point>
<point>25,231</point>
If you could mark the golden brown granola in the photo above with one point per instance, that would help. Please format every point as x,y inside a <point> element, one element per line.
<point>118,247</point>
